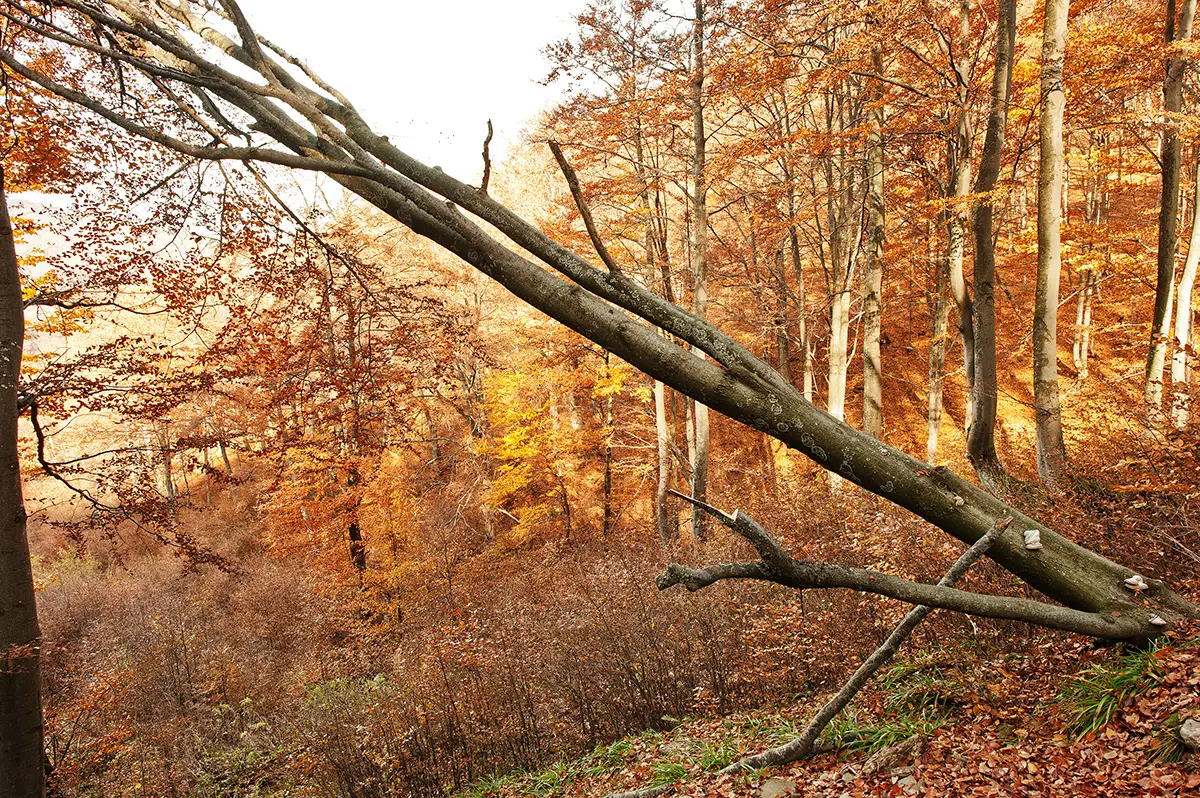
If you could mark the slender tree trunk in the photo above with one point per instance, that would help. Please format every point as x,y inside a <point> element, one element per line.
<point>958,213</point>
<point>802,311</point>
<point>656,256</point>
<point>700,257</point>
<point>873,283</point>
<point>1051,451</point>
<point>783,354</point>
<point>1168,215</point>
<point>608,456</point>
<point>225,458</point>
<point>1180,363</point>
<point>1083,321</point>
<point>981,430</point>
<point>21,753</point>
<point>937,361</point>
<point>839,286</point>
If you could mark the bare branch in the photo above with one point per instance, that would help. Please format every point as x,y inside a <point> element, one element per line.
<point>487,160</point>
<point>584,211</point>
<point>777,566</point>
<point>802,746</point>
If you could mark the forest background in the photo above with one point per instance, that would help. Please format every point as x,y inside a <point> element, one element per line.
<point>315,508</point>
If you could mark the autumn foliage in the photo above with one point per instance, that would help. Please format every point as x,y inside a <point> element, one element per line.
<point>317,510</point>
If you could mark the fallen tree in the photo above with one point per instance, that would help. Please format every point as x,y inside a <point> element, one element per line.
<point>236,96</point>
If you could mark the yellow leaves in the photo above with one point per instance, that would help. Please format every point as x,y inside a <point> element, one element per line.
<point>613,380</point>
<point>511,480</point>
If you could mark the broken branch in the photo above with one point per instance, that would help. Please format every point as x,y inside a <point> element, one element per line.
<point>584,211</point>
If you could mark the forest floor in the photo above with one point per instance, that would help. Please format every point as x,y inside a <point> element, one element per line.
<point>1064,719</point>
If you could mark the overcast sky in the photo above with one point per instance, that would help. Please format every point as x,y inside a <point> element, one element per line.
<point>430,73</point>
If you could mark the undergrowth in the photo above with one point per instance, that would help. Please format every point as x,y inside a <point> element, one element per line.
<point>1092,697</point>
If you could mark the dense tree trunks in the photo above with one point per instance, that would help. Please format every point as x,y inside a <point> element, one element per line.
<point>981,440</point>
<point>21,753</point>
<point>1051,450</point>
<point>1168,215</point>
<point>1181,361</point>
<point>699,255</point>
<point>873,271</point>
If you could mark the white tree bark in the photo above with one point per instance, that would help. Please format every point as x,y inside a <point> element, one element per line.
<point>1181,361</point>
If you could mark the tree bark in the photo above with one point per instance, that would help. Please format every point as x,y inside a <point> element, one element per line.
<point>1168,215</point>
<point>699,255</point>
<point>958,212</point>
<point>873,272</point>
<point>1051,450</point>
<point>937,359</point>
<point>1183,317</point>
<point>981,438</point>
<point>21,753</point>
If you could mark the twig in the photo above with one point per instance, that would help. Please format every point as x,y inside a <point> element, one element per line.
<point>487,160</point>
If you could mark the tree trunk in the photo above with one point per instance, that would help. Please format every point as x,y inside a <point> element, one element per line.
<point>802,312</point>
<point>1168,215</point>
<point>1183,316</point>
<point>21,752</point>
<point>981,430</point>
<point>700,256</point>
<point>937,360</point>
<point>873,283</point>
<point>958,212</point>
<point>1051,451</point>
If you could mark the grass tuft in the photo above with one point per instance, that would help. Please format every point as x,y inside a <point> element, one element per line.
<point>1093,696</point>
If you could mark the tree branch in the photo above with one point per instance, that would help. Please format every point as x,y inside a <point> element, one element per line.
<point>487,160</point>
<point>779,567</point>
<point>584,211</point>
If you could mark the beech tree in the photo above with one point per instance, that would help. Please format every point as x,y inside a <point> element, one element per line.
<point>198,56</point>
<point>1051,450</point>
<point>981,430</point>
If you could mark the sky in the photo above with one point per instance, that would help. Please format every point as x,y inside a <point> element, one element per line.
<point>428,73</point>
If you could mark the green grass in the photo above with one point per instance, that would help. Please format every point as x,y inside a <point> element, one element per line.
<point>712,756</point>
<point>667,773</point>
<point>556,778</point>
<point>1092,697</point>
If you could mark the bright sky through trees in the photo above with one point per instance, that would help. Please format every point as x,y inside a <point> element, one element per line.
<point>430,74</point>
